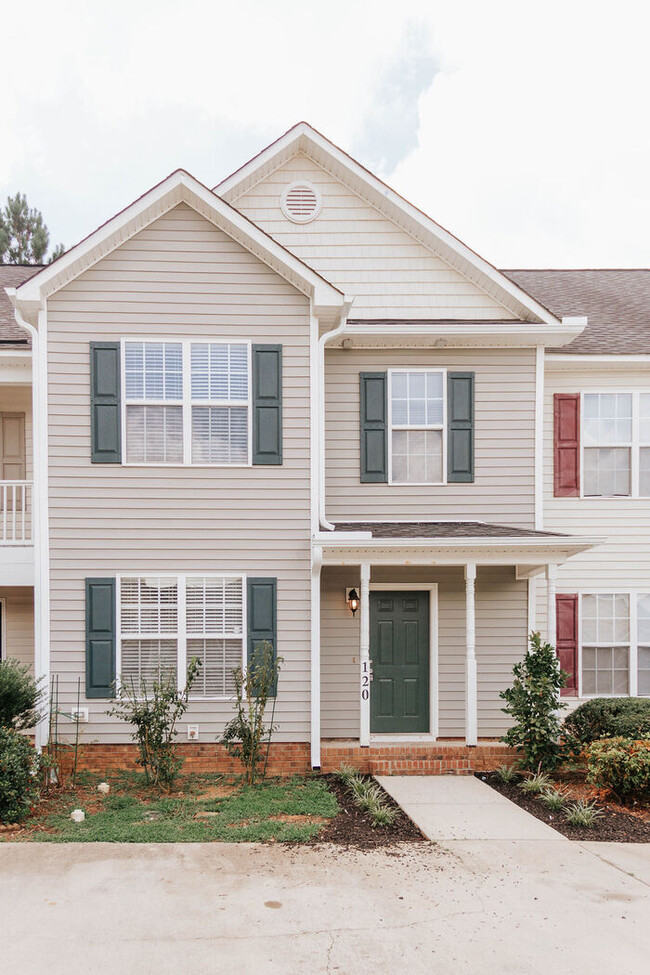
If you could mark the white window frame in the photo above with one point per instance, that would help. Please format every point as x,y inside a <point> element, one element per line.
<point>633,660</point>
<point>634,446</point>
<point>442,427</point>
<point>182,635</point>
<point>186,403</point>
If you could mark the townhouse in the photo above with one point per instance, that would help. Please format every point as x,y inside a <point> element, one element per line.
<point>294,408</point>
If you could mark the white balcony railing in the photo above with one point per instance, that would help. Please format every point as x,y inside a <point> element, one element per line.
<point>16,513</point>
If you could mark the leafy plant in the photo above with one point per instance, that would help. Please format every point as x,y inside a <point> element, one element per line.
<point>21,696</point>
<point>606,717</point>
<point>18,776</point>
<point>24,238</point>
<point>508,774</point>
<point>583,813</point>
<point>622,766</point>
<point>245,735</point>
<point>535,784</point>
<point>533,702</point>
<point>368,796</point>
<point>555,799</point>
<point>154,710</point>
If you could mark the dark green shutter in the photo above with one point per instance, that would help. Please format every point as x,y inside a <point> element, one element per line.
<point>105,411</point>
<point>374,431</point>
<point>460,427</point>
<point>267,404</point>
<point>100,637</point>
<point>261,610</point>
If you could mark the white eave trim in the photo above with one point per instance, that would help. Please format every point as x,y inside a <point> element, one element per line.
<point>565,361</point>
<point>483,335</point>
<point>179,187</point>
<point>303,138</point>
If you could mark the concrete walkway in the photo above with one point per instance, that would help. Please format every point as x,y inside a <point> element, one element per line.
<point>450,807</point>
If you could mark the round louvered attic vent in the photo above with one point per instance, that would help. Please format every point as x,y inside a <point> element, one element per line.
<point>301,202</point>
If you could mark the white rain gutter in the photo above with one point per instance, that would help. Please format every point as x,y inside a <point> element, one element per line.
<point>326,337</point>
<point>39,506</point>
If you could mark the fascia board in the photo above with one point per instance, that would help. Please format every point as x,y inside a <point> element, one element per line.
<point>565,362</point>
<point>473,336</point>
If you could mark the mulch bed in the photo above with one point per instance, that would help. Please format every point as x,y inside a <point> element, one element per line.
<point>614,826</point>
<point>354,828</point>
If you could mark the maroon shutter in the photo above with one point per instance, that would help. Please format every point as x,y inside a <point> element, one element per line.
<point>566,608</point>
<point>566,445</point>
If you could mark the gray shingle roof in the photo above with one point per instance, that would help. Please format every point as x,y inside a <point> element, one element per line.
<point>616,303</point>
<point>11,276</point>
<point>440,529</point>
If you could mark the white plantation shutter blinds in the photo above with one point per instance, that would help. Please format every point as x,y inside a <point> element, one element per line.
<point>149,627</point>
<point>215,632</point>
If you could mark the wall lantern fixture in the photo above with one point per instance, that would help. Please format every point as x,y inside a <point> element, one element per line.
<point>353,600</point>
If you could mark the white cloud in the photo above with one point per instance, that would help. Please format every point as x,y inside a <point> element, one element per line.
<point>529,141</point>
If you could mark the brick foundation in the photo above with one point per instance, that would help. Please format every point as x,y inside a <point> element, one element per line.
<point>437,758</point>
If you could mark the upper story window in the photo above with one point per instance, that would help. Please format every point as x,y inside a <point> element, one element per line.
<point>616,444</point>
<point>187,402</point>
<point>417,414</point>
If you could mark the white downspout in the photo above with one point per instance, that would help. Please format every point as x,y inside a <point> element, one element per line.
<point>315,732</point>
<point>322,517</point>
<point>39,513</point>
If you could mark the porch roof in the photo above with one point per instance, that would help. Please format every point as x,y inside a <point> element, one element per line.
<point>448,543</point>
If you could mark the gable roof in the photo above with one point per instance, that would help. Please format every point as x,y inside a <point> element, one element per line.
<point>615,301</point>
<point>179,187</point>
<point>303,138</point>
<point>12,276</point>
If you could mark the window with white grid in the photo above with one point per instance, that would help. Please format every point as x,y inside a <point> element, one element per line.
<point>643,644</point>
<point>215,632</point>
<point>148,630</point>
<point>187,402</point>
<point>616,444</point>
<point>417,421</point>
<point>605,629</point>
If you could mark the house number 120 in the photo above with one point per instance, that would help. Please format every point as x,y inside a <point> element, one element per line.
<point>365,680</point>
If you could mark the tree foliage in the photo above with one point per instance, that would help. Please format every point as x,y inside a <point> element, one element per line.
<point>533,702</point>
<point>24,238</point>
<point>21,696</point>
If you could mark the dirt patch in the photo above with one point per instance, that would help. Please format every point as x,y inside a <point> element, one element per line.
<point>217,792</point>
<point>615,826</point>
<point>311,820</point>
<point>352,827</point>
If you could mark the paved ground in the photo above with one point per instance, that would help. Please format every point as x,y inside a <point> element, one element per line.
<point>488,906</point>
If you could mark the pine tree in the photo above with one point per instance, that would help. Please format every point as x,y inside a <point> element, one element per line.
<point>24,238</point>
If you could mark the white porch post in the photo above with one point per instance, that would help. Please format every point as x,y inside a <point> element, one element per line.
<point>364,656</point>
<point>471,690</point>
<point>551,590</point>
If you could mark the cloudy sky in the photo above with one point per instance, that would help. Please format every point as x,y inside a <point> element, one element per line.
<point>522,127</point>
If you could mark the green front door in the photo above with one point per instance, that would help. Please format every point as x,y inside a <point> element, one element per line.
<point>399,650</point>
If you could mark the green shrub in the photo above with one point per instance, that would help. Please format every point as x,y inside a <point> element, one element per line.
<point>535,784</point>
<point>507,774</point>
<point>18,776</point>
<point>554,799</point>
<point>533,702</point>
<point>368,796</point>
<point>606,717</point>
<point>621,765</point>
<point>583,813</point>
<point>20,696</point>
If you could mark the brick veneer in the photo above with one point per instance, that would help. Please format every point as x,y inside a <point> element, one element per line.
<point>437,758</point>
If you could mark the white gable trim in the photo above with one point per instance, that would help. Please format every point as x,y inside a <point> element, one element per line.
<point>303,138</point>
<point>180,187</point>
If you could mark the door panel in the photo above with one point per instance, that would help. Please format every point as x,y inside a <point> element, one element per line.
<point>399,650</point>
<point>12,446</point>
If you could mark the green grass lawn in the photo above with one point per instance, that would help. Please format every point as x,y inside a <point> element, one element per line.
<point>196,813</point>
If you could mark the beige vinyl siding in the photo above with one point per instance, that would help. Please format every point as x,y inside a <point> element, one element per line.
<point>359,250</point>
<point>180,277</point>
<point>501,606</point>
<point>18,629</point>
<point>503,490</point>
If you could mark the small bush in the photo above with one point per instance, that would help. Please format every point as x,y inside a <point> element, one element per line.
<point>533,702</point>
<point>21,696</point>
<point>582,813</point>
<point>18,776</point>
<point>606,717</point>
<point>622,766</point>
<point>507,774</point>
<point>368,796</point>
<point>554,799</point>
<point>535,784</point>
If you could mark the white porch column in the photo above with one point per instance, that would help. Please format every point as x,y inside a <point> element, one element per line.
<point>471,689</point>
<point>364,656</point>
<point>551,590</point>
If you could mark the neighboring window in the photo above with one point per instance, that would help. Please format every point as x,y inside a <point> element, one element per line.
<point>616,439</point>
<point>166,621</point>
<point>615,648</point>
<point>202,420</point>
<point>417,420</point>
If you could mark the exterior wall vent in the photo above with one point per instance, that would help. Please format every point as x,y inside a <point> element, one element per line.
<point>301,202</point>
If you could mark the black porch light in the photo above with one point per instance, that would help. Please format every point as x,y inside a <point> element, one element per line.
<point>353,600</point>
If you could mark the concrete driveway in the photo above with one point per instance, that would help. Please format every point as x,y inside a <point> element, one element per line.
<point>506,906</point>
